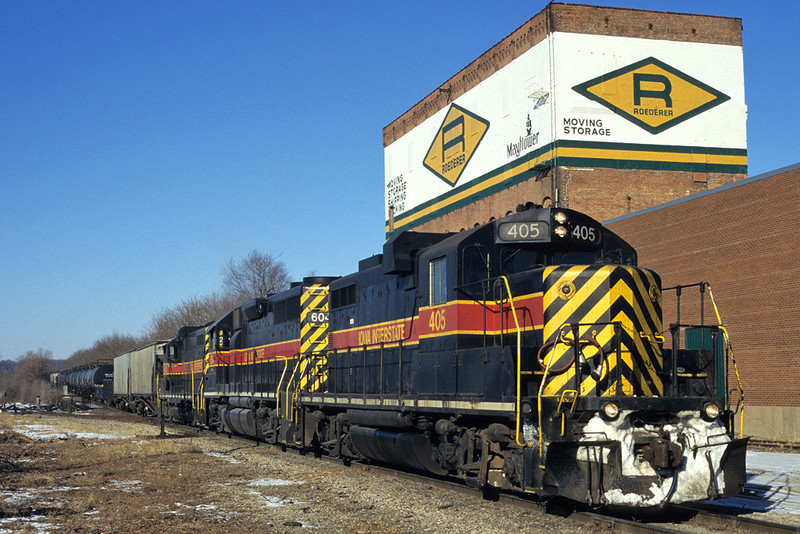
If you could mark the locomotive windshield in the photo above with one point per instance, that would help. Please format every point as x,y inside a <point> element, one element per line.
<point>536,239</point>
<point>539,238</point>
<point>519,259</point>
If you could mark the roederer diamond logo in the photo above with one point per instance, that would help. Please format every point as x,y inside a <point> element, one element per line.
<point>455,143</point>
<point>652,94</point>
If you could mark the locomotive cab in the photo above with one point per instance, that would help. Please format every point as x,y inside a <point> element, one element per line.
<point>598,402</point>
<point>607,407</point>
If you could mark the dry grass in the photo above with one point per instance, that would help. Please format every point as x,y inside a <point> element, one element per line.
<point>6,423</point>
<point>146,484</point>
<point>126,485</point>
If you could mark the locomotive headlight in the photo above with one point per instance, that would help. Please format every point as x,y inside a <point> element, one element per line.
<point>560,231</point>
<point>609,411</point>
<point>710,411</point>
<point>560,217</point>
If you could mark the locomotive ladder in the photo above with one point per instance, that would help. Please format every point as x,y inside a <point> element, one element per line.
<point>519,365</point>
<point>306,375</point>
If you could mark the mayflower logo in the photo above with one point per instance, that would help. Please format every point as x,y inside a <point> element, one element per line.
<point>531,139</point>
<point>652,94</point>
<point>455,143</point>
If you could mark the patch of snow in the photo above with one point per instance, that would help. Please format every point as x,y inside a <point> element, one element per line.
<point>274,482</point>
<point>212,511</point>
<point>271,501</point>
<point>773,484</point>
<point>222,456</point>
<point>688,483</point>
<point>306,525</point>
<point>128,486</point>
<point>49,433</point>
<point>38,522</point>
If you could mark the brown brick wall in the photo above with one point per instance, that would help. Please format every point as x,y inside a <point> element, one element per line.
<point>495,206</point>
<point>607,193</point>
<point>745,241</point>
<point>641,24</point>
<point>573,19</point>
<point>600,193</point>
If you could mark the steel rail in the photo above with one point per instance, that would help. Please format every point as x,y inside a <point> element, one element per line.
<point>671,518</point>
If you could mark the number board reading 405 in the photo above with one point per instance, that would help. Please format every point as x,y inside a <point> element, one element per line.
<point>583,232</point>
<point>523,231</point>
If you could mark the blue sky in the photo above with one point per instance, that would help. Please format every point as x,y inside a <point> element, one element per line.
<point>143,144</point>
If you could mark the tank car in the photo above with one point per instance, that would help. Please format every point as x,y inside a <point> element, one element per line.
<point>92,381</point>
<point>524,354</point>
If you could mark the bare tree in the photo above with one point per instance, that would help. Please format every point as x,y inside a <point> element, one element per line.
<point>113,345</point>
<point>105,348</point>
<point>28,378</point>
<point>192,311</point>
<point>255,276</point>
<point>34,365</point>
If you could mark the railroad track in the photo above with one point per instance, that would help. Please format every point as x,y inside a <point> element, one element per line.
<point>717,518</point>
<point>774,444</point>
<point>663,520</point>
<point>668,519</point>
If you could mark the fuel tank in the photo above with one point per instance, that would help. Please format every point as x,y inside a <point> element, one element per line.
<point>240,421</point>
<point>409,449</point>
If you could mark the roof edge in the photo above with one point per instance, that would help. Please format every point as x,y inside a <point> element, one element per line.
<point>720,189</point>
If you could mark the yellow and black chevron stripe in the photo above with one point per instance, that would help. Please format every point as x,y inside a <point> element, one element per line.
<point>314,328</point>
<point>595,297</point>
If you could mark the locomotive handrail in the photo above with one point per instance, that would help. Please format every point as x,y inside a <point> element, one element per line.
<point>519,364</point>
<point>202,387</point>
<point>195,394</point>
<point>484,284</point>
<point>728,346</point>
<point>311,367</point>
<point>720,373</point>
<point>302,365</point>
<point>539,402</point>
<point>280,383</point>
<point>349,349</point>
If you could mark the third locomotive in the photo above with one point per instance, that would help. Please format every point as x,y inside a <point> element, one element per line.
<point>526,354</point>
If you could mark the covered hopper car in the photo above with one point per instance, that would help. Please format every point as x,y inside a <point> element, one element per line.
<point>136,375</point>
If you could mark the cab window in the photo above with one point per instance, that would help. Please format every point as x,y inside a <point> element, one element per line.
<point>474,265</point>
<point>517,260</point>
<point>438,281</point>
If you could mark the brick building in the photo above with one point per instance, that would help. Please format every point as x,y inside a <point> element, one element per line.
<point>632,114</point>
<point>743,239</point>
<point>600,109</point>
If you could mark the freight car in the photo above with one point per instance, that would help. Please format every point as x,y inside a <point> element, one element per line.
<point>92,381</point>
<point>527,354</point>
<point>136,375</point>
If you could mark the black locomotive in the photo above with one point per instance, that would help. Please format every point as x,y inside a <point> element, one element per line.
<point>525,354</point>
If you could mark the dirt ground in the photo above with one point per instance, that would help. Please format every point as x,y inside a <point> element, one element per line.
<point>107,472</point>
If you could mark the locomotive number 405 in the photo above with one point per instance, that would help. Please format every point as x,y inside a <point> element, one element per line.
<point>584,233</point>
<point>523,231</point>
<point>437,321</point>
